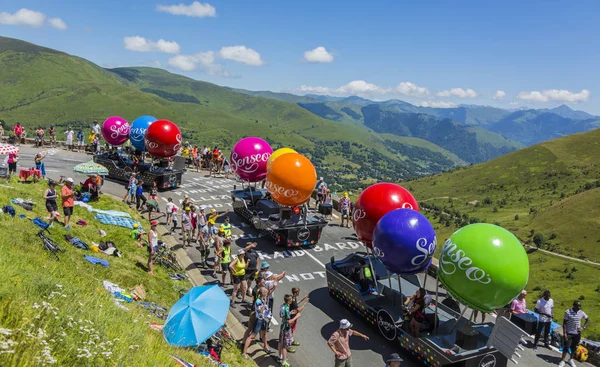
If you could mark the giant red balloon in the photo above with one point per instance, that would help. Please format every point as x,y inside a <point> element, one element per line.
<point>375,202</point>
<point>163,138</point>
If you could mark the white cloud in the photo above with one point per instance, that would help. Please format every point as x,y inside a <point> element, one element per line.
<point>319,54</point>
<point>205,61</point>
<point>141,44</point>
<point>365,89</point>
<point>458,92</point>
<point>156,63</point>
<point>514,103</point>
<point>57,23</point>
<point>358,87</point>
<point>26,17</point>
<point>499,95</point>
<point>436,104</point>
<point>556,95</point>
<point>410,89</point>
<point>307,89</point>
<point>241,54</point>
<point>195,9</point>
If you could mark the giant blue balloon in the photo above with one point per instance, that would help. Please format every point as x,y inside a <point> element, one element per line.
<point>138,129</point>
<point>405,241</point>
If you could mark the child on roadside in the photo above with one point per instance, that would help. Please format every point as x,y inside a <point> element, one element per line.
<point>169,211</point>
<point>175,219</point>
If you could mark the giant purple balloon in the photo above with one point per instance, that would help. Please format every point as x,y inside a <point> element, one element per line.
<point>405,241</point>
<point>115,130</point>
<point>249,159</point>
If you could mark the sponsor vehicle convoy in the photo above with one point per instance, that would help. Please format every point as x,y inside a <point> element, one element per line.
<point>446,338</point>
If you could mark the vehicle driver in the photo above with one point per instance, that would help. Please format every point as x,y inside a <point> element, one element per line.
<point>365,277</point>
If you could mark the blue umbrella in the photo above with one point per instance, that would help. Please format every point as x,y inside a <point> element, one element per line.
<point>200,313</point>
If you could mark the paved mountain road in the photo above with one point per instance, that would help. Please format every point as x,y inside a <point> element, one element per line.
<point>305,269</point>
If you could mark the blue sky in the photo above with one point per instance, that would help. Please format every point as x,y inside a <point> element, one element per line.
<point>441,53</point>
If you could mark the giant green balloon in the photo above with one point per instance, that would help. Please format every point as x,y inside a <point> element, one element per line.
<point>483,266</point>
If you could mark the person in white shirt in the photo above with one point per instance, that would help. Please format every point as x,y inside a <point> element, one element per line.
<point>572,330</point>
<point>96,128</point>
<point>169,210</point>
<point>545,308</point>
<point>69,140</point>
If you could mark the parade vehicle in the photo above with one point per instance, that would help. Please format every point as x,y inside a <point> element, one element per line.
<point>167,175</point>
<point>286,226</point>
<point>446,337</point>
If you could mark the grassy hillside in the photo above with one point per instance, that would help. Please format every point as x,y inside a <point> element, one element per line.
<point>547,195</point>
<point>42,86</point>
<point>470,143</point>
<point>59,310</point>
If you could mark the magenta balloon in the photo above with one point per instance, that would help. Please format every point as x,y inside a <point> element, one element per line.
<point>249,159</point>
<point>115,130</point>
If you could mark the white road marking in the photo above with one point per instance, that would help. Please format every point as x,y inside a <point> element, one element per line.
<point>335,216</point>
<point>314,258</point>
<point>273,321</point>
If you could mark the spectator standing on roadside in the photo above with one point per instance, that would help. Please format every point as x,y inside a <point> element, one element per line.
<point>69,139</point>
<point>285,331</point>
<point>68,201</point>
<point>96,127</point>
<point>169,210</point>
<point>1,130</point>
<point>339,343</point>
<point>238,270</point>
<point>194,222</point>
<point>344,208</point>
<point>572,331</point>
<point>321,187</point>
<point>152,244</point>
<point>296,307</point>
<point>18,131</point>
<point>50,196</point>
<point>209,232</point>
<point>52,134</point>
<point>201,223</point>
<point>224,259</point>
<point>130,184</point>
<point>39,164</point>
<point>186,227</point>
<point>12,163</point>
<point>252,268</point>
<point>140,199</point>
<point>545,308</point>
<point>80,141</point>
<point>262,314</point>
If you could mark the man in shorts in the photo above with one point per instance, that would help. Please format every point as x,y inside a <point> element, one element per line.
<point>186,227</point>
<point>572,331</point>
<point>209,232</point>
<point>261,314</point>
<point>285,332</point>
<point>251,258</point>
<point>344,208</point>
<point>339,343</point>
<point>68,201</point>
<point>50,195</point>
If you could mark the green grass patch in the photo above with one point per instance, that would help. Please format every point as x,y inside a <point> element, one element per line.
<point>57,312</point>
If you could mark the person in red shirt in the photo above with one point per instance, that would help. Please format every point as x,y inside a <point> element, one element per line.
<point>68,201</point>
<point>18,130</point>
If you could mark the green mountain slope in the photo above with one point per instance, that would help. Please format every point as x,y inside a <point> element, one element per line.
<point>547,195</point>
<point>543,185</point>
<point>471,144</point>
<point>42,86</point>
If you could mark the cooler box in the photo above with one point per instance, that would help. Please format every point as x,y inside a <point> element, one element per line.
<point>325,209</point>
<point>525,321</point>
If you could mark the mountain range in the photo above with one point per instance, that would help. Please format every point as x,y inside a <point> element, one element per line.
<point>525,126</point>
<point>40,86</point>
<point>352,141</point>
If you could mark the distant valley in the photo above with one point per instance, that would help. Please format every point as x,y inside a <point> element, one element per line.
<point>525,126</point>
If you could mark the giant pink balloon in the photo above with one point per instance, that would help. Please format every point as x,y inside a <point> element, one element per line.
<point>115,130</point>
<point>249,159</point>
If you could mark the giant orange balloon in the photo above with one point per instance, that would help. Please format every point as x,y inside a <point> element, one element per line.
<point>291,179</point>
